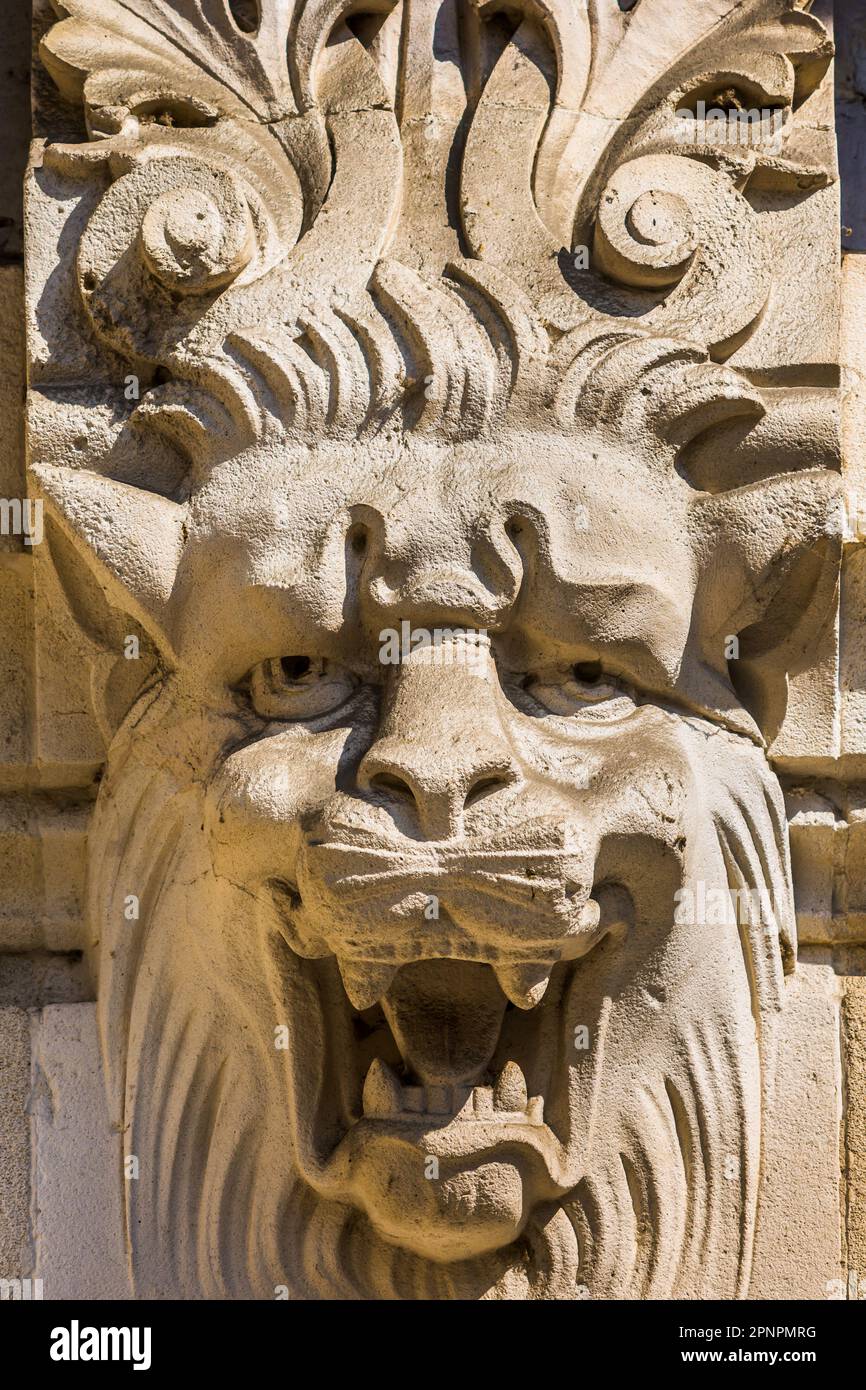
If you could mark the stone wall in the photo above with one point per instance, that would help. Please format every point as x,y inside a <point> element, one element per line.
<point>39,965</point>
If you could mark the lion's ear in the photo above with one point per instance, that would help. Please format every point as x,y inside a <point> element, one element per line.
<point>130,539</point>
<point>773,583</point>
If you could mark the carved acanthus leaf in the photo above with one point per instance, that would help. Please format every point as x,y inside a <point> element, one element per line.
<point>175,58</point>
<point>570,141</point>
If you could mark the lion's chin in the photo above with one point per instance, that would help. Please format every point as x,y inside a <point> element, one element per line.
<point>472,1208</point>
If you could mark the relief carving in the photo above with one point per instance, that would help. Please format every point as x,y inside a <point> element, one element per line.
<point>456,320</point>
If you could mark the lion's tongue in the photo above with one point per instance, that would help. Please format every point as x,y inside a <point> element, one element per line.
<point>446,1017</point>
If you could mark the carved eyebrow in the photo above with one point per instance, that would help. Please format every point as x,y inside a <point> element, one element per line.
<point>637,650</point>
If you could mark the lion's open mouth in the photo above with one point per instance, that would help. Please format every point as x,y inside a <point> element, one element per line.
<point>447,1055</point>
<point>437,993</point>
<point>434,1087</point>
<point>443,1065</point>
<point>446,1045</point>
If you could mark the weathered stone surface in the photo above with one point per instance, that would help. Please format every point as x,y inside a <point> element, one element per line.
<point>854,1124</point>
<point>446,486</point>
<point>852,644</point>
<point>77,1205</point>
<point>800,1166</point>
<point>32,979</point>
<point>827,826</point>
<point>42,839</point>
<point>16,598</point>
<point>16,1253</point>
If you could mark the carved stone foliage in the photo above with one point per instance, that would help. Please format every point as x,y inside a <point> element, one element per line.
<point>471,322</point>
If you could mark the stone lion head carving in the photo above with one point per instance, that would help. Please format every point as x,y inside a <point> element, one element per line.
<point>440,734</point>
<point>442,726</point>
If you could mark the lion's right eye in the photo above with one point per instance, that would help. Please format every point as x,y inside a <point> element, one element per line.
<point>584,691</point>
<point>299,687</point>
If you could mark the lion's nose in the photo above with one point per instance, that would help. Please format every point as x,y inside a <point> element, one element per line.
<point>438,795</point>
<point>442,747</point>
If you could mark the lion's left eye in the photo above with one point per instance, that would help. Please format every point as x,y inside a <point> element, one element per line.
<point>582,690</point>
<point>299,687</point>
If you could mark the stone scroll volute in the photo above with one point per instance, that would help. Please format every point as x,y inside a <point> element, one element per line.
<point>424,385</point>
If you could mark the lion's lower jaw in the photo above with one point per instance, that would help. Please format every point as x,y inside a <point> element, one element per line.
<point>542,1262</point>
<point>469,1214</point>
